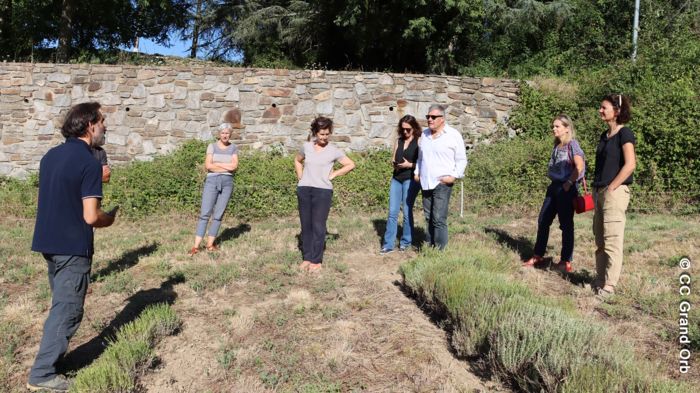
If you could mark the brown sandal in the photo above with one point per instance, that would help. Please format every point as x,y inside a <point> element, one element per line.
<point>192,251</point>
<point>213,247</point>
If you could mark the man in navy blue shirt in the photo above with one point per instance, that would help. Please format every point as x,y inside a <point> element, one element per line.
<point>70,192</point>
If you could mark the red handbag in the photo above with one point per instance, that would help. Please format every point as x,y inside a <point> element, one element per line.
<point>584,203</point>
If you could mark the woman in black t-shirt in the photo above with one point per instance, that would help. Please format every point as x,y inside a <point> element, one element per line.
<point>615,162</point>
<point>403,189</point>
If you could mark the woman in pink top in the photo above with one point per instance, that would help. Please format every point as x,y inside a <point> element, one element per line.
<point>314,168</point>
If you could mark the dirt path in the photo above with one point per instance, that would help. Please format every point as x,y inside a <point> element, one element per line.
<point>361,335</point>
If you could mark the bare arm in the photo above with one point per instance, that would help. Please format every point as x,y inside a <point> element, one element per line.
<point>347,166</point>
<point>230,167</point>
<point>299,165</point>
<point>106,173</point>
<point>627,169</point>
<point>94,215</point>
<point>578,169</point>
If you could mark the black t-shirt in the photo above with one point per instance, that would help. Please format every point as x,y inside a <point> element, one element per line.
<point>410,154</point>
<point>609,158</point>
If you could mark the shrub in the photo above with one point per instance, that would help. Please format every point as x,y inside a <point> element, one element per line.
<point>534,343</point>
<point>128,353</point>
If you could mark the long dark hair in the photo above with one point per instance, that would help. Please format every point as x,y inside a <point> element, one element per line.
<point>320,123</point>
<point>622,105</point>
<point>414,124</point>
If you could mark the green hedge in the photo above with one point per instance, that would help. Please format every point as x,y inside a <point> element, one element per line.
<point>265,183</point>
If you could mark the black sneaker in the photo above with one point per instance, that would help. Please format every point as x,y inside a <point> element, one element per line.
<point>385,251</point>
<point>58,383</point>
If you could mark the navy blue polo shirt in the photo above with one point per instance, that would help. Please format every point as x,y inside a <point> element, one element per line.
<point>68,173</point>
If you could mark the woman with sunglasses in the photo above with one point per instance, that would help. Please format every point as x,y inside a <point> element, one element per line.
<point>615,162</point>
<point>403,189</point>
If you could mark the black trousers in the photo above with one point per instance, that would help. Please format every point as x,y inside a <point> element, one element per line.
<point>69,276</point>
<point>314,205</point>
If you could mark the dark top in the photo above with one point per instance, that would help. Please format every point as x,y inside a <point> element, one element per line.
<point>100,155</point>
<point>410,154</point>
<point>609,158</point>
<point>68,173</point>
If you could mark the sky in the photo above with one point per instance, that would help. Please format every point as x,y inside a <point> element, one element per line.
<point>177,47</point>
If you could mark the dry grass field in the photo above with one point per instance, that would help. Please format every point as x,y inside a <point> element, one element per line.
<point>251,322</point>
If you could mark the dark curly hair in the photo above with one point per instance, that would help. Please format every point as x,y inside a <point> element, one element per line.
<point>320,123</point>
<point>414,125</point>
<point>78,119</point>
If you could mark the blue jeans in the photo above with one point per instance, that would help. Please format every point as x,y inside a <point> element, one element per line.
<point>401,193</point>
<point>557,202</point>
<point>217,192</point>
<point>69,277</point>
<point>435,208</point>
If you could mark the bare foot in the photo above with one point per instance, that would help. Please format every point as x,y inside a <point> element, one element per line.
<point>314,268</point>
<point>305,265</point>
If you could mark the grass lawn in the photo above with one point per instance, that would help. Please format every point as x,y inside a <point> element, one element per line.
<point>252,322</point>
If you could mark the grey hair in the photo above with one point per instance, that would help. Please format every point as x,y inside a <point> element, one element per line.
<point>224,126</point>
<point>437,107</point>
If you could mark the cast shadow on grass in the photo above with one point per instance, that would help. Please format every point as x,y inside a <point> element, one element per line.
<point>579,277</point>
<point>88,352</point>
<point>330,237</point>
<point>233,233</point>
<point>125,261</point>
<point>418,236</point>
<point>437,313</point>
<point>522,245</point>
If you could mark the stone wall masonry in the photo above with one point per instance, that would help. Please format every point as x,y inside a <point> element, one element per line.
<point>150,110</point>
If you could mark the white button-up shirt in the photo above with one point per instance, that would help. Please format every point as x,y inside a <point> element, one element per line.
<point>443,155</point>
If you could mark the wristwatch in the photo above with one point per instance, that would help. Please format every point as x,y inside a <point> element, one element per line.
<point>568,181</point>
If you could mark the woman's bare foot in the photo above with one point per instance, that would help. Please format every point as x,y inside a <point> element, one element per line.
<point>304,265</point>
<point>314,268</point>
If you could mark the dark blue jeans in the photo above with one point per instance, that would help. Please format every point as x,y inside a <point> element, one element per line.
<point>69,276</point>
<point>314,206</point>
<point>559,203</point>
<point>435,209</point>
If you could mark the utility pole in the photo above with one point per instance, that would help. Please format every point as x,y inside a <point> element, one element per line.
<point>635,30</point>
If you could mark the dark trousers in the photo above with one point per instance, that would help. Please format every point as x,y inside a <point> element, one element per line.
<point>435,209</point>
<point>69,276</point>
<point>314,206</point>
<point>559,203</point>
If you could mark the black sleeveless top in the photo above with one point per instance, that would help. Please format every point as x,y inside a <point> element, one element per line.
<point>410,154</point>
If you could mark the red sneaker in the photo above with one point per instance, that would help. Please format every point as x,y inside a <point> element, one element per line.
<point>193,251</point>
<point>565,266</point>
<point>533,261</point>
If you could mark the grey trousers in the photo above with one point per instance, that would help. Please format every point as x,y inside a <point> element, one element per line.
<point>69,276</point>
<point>217,191</point>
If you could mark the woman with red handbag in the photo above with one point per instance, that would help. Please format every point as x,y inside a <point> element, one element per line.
<point>615,162</point>
<point>566,166</point>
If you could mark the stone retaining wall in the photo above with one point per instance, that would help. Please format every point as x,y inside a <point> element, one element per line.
<point>150,110</point>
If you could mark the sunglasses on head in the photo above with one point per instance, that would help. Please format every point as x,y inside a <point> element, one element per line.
<point>432,117</point>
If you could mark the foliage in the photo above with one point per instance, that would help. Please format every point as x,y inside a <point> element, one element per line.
<point>536,344</point>
<point>117,368</point>
<point>264,185</point>
<point>30,25</point>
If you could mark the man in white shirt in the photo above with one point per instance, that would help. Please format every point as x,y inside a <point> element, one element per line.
<point>442,159</point>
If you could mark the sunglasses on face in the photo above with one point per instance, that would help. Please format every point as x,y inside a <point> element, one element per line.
<point>432,117</point>
<point>406,129</point>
